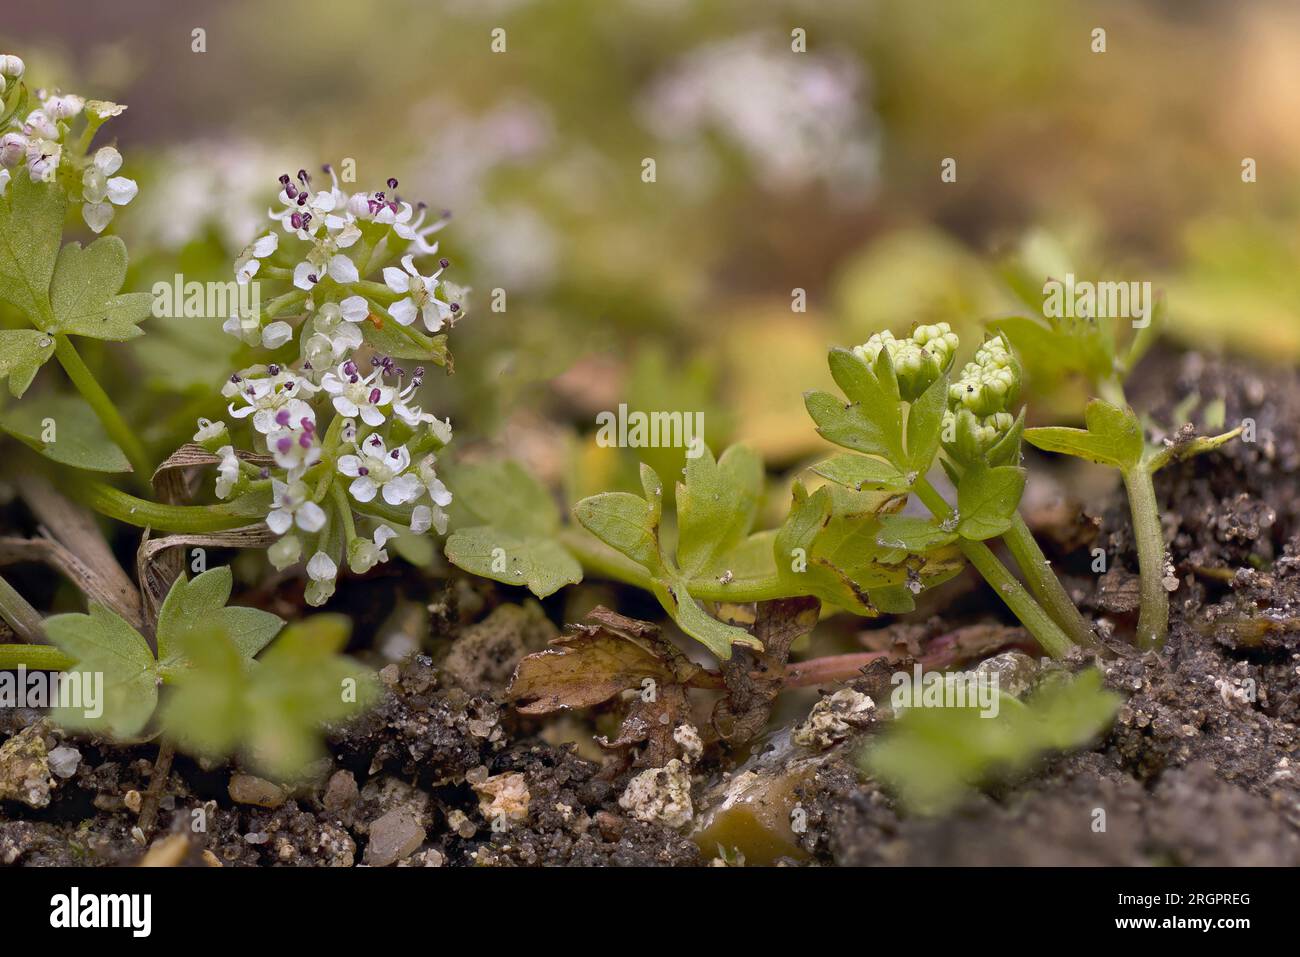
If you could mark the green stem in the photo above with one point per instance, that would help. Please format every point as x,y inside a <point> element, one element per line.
<point>21,617</point>
<point>164,518</point>
<point>103,406</point>
<point>1047,633</point>
<point>603,562</point>
<point>1046,587</point>
<point>1153,620</point>
<point>34,658</point>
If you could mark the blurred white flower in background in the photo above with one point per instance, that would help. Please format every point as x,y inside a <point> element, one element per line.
<point>797,117</point>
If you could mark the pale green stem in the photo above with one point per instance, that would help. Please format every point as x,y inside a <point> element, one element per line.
<point>104,409</point>
<point>21,617</point>
<point>34,658</point>
<point>1047,633</point>
<point>1153,620</point>
<point>1044,584</point>
<point>164,518</point>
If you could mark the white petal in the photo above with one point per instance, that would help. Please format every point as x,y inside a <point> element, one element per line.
<point>363,488</point>
<point>408,263</point>
<point>402,489</point>
<point>342,269</point>
<point>350,465</point>
<point>108,160</point>
<point>300,274</point>
<point>266,245</point>
<point>345,406</point>
<point>121,190</point>
<point>403,312</point>
<point>279,521</point>
<point>396,280</point>
<point>421,519</point>
<point>97,216</point>
<point>369,414</point>
<point>322,568</point>
<point>432,316</point>
<point>355,308</point>
<point>276,334</point>
<point>311,517</point>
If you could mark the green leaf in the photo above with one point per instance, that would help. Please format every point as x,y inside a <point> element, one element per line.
<point>75,435</point>
<point>1113,437</point>
<point>31,227</point>
<point>541,564</point>
<point>516,541</point>
<point>84,292</point>
<point>202,603</point>
<point>912,533</point>
<point>302,683</point>
<point>704,628</point>
<point>205,712</point>
<point>933,757</point>
<point>987,499</point>
<point>716,506</point>
<point>830,550</point>
<point>273,711</point>
<point>925,425</point>
<point>102,643</point>
<point>625,522</point>
<point>22,353</point>
<point>405,343</point>
<point>861,473</point>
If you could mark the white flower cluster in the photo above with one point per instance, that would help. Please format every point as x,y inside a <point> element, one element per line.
<point>346,445</point>
<point>798,118</point>
<point>41,141</point>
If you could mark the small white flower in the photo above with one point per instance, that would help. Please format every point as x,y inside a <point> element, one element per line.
<point>338,267</point>
<point>322,571</point>
<point>334,337</point>
<point>13,149</point>
<point>11,66</point>
<point>250,260</point>
<point>104,109</point>
<point>212,434</point>
<point>421,297</point>
<point>375,469</point>
<point>63,107</point>
<point>364,555</point>
<point>267,395</point>
<point>358,396</point>
<point>424,517</point>
<point>39,124</point>
<point>306,211</point>
<point>100,188</point>
<point>294,446</point>
<point>227,471</point>
<point>43,157</point>
<point>292,504</point>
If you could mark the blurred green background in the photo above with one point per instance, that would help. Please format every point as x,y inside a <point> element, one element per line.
<point>775,171</point>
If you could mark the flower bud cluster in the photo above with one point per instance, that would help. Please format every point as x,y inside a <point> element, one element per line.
<point>918,360</point>
<point>50,142</point>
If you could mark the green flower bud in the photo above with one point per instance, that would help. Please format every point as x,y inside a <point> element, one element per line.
<point>918,360</point>
<point>967,438</point>
<point>988,384</point>
<point>212,435</point>
<point>285,552</point>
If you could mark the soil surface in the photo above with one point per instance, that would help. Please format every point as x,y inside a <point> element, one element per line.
<point>1199,768</point>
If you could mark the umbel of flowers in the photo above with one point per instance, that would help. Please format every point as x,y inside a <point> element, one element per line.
<point>50,139</point>
<point>356,307</point>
